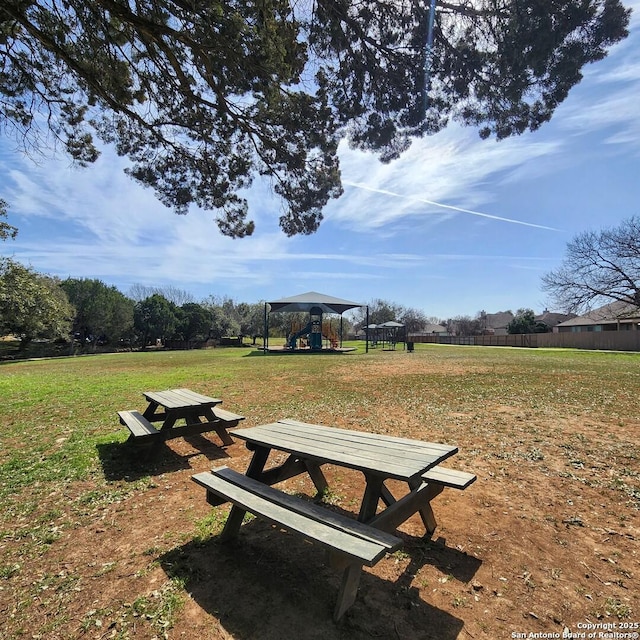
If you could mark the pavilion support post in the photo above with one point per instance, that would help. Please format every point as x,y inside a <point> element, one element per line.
<point>366,332</point>
<point>265,339</point>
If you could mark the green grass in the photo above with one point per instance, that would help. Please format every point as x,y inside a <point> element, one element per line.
<point>62,458</point>
<point>57,413</point>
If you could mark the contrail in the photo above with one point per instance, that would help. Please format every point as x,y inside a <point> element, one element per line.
<point>447,206</point>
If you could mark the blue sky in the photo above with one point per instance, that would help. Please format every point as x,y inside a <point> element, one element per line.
<point>457,225</point>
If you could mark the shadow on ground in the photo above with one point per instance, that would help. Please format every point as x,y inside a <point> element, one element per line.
<point>122,461</point>
<point>449,560</point>
<point>297,352</point>
<point>269,584</point>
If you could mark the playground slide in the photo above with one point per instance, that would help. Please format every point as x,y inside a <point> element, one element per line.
<point>291,342</point>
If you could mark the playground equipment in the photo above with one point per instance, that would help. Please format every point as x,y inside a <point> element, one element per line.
<point>388,334</point>
<point>313,329</point>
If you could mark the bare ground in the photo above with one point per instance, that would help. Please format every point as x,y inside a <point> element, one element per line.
<point>546,541</point>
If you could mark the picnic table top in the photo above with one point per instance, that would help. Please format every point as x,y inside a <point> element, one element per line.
<point>387,456</point>
<point>180,399</point>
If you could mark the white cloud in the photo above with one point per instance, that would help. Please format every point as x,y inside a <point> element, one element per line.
<point>456,168</point>
<point>97,222</point>
<point>452,168</point>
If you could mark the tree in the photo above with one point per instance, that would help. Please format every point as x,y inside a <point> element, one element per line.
<point>414,320</point>
<point>523,322</point>
<point>379,311</point>
<point>6,230</point>
<point>202,97</point>
<point>175,295</point>
<point>223,317</point>
<point>464,326</point>
<point>155,318</point>
<point>222,325</point>
<point>251,319</point>
<point>599,267</point>
<point>194,322</point>
<point>32,305</point>
<point>139,292</point>
<point>101,311</point>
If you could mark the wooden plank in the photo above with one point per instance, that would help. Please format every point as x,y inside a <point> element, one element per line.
<point>164,398</point>
<point>323,453</point>
<point>365,452</point>
<point>278,435</point>
<point>226,416</point>
<point>184,397</point>
<point>326,452</point>
<point>329,529</point>
<point>139,426</point>
<point>400,447</point>
<point>403,509</point>
<point>390,441</point>
<point>194,397</point>
<point>310,509</point>
<point>333,539</point>
<point>449,477</point>
<point>180,399</point>
<point>342,438</point>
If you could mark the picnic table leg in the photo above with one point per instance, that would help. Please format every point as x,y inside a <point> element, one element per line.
<point>371,497</point>
<point>416,501</point>
<point>236,515</point>
<point>150,411</point>
<point>315,472</point>
<point>426,512</point>
<point>219,427</point>
<point>348,589</point>
<point>232,526</point>
<point>258,460</point>
<point>168,423</point>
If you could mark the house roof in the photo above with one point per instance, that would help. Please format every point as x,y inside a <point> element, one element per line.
<point>552,319</point>
<point>435,328</point>
<point>498,320</point>
<point>611,313</point>
<point>430,328</point>
<point>305,301</point>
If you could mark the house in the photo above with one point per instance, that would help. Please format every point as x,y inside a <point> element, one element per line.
<point>495,324</point>
<point>436,329</point>
<point>428,333</point>
<point>615,316</point>
<point>552,320</point>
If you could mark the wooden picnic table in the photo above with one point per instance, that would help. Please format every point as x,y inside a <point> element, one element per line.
<point>197,412</point>
<point>351,543</point>
<point>379,457</point>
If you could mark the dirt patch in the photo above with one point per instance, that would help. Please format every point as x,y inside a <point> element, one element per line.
<point>546,540</point>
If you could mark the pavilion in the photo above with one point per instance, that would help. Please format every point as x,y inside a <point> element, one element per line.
<point>306,302</point>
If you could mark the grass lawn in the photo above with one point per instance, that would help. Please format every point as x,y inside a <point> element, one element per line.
<point>96,543</point>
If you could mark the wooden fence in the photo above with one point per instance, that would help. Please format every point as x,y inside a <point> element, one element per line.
<point>599,340</point>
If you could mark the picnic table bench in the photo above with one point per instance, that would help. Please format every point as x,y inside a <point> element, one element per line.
<point>197,412</point>
<point>352,543</point>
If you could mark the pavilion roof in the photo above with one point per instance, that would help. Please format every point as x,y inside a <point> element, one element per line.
<point>305,301</point>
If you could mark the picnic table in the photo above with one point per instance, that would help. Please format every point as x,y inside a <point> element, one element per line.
<point>381,458</point>
<point>179,412</point>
